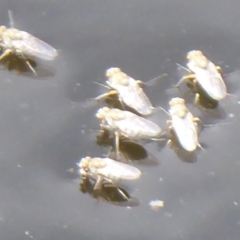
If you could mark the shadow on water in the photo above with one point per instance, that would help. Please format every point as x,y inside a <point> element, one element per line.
<point>205,104</point>
<point>108,193</point>
<point>18,65</point>
<point>129,149</point>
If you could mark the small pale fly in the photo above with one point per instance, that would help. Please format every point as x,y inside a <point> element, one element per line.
<point>183,124</point>
<point>206,75</point>
<point>129,91</point>
<point>127,124</point>
<point>23,44</point>
<point>107,169</point>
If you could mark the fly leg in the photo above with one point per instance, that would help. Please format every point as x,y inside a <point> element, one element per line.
<point>121,102</point>
<point>105,95</point>
<point>170,128</point>
<point>197,122</point>
<point>98,184</point>
<point>197,99</point>
<point>189,77</point>
<point>6,53</point>
<point>28,64</point>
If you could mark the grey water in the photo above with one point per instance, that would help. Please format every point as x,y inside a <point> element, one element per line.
<point>45,128</point>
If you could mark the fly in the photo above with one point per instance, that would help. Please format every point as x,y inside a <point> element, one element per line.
<point>23,44</point>
<point>183,125</point>
<point>206,75</point>
<point>129,91</point>
<point>107,169</point>
<point>127,124</point>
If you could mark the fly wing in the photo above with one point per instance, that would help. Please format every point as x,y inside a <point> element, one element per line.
<point>134,97</point>
<point>211,81</point>
<point>136,126</point>
<point>119,170</point>
<point>186,132</point>
<point>34,46</point>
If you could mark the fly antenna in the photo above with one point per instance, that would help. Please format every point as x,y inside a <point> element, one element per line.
<point>10,15</point>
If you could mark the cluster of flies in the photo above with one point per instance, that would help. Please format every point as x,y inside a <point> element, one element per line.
<point>204,79</point>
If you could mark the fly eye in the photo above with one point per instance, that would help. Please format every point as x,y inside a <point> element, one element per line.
<point>100,114</point>
<point>109,74</point>
<point>83,164</point>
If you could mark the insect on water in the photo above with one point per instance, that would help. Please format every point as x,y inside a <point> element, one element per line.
<point>23,44</point>
<point>183,125</point>
<point>107,169</point>
<point>127,124</point>
<point>129,91</point>
<point>204,74</point>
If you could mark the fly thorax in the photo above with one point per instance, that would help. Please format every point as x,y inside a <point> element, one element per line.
<point>116,114</point>
<point>119,79</point>
<point>182,112</point>
<point>124,79</point>
<point>97,163</point>
<point>201,62</point>
<point>178,110</point>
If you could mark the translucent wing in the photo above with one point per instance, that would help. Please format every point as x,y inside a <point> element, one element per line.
<point>134,97</point>
<point>136,126</point>
<point>119,170</point>
<point>186,131</point>
<point>211,81</point>
<point>34,46</point>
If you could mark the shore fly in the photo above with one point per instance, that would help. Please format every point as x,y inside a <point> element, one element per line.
<point>107,169</point>
<point>23,44</point>
<point>183,125</point>
<point>206,75</point>
<point>127,124</point>
<point>129,91</point>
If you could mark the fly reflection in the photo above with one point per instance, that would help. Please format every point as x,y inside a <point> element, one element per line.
<point>108,193</point>
<point>129,149</point>
<point>17,64</point>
